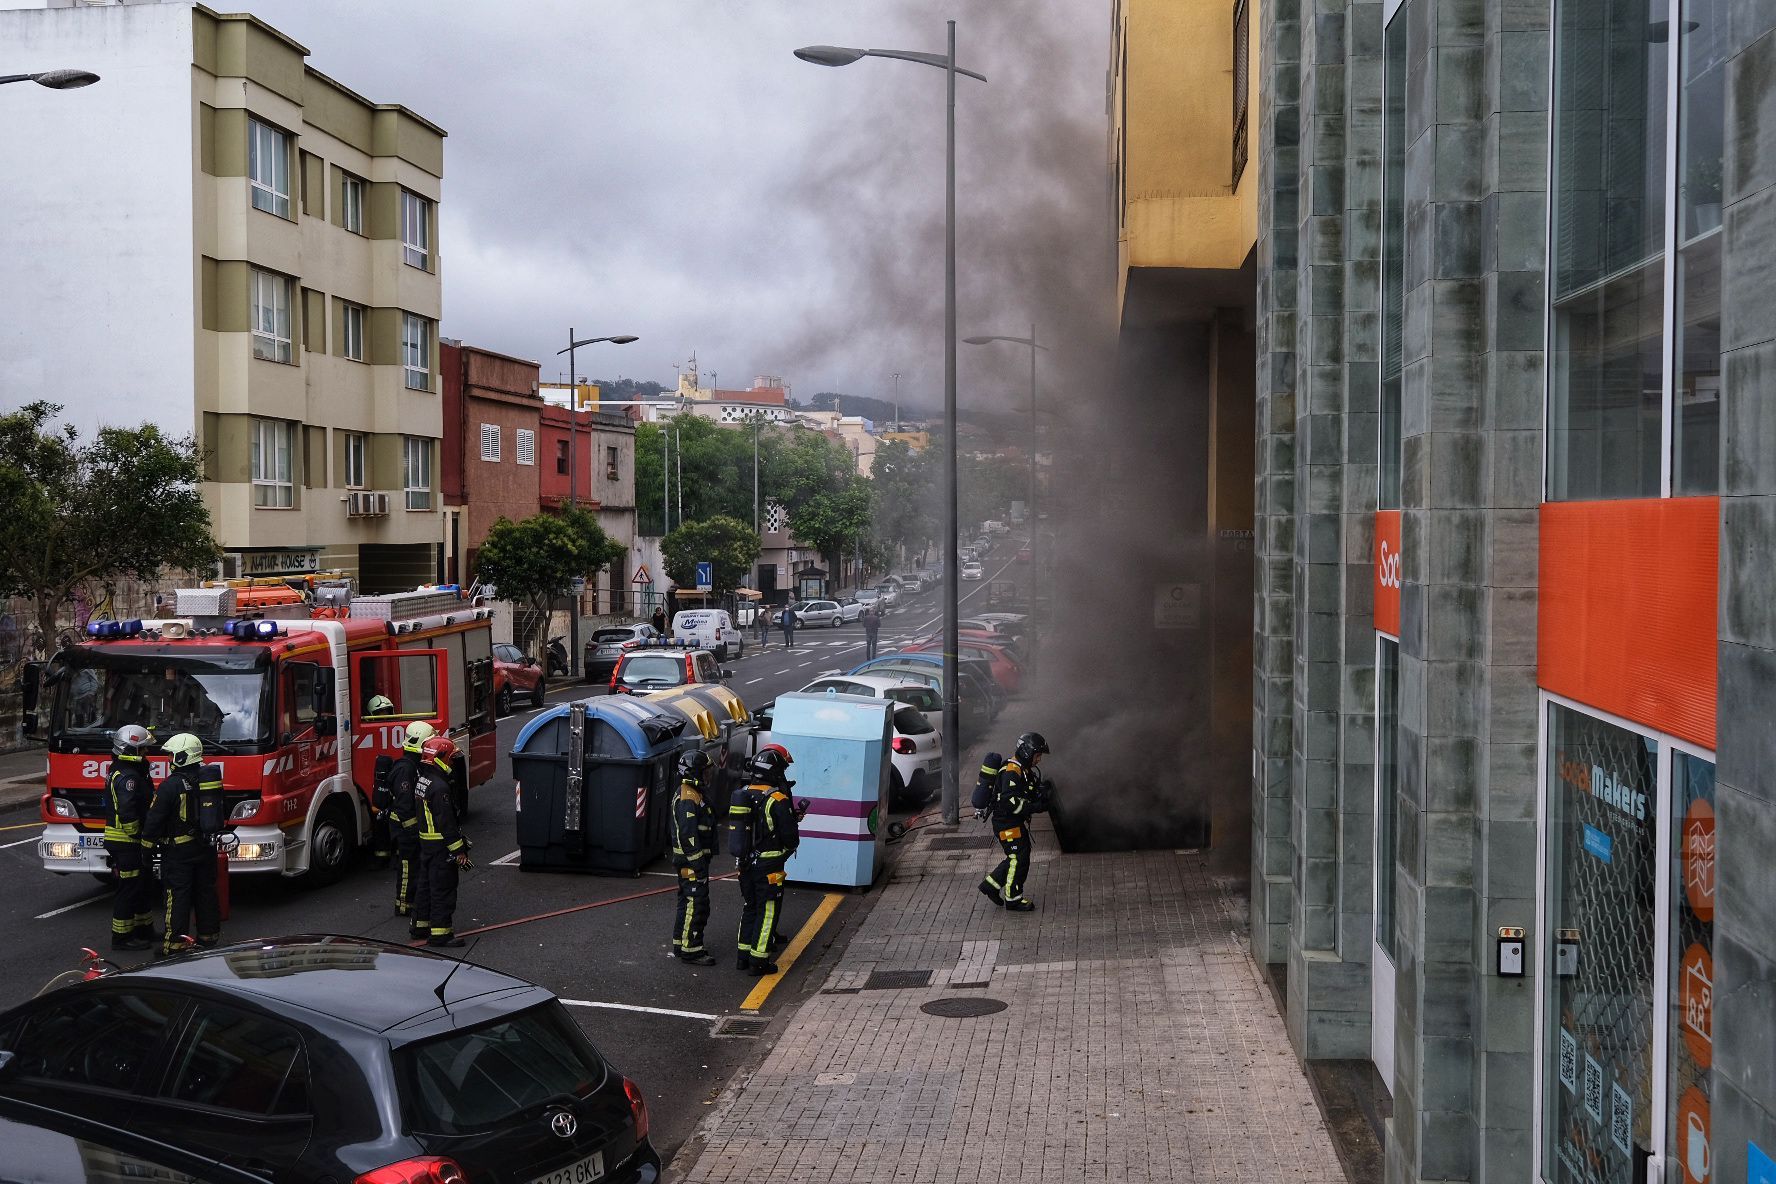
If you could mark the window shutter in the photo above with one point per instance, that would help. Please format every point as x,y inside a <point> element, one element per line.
<point>526,447</point>
<point>490,441</point>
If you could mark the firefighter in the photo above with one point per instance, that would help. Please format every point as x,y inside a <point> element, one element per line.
<point>443,852</point>
<point>381,839</point>
<point>1018,796</point>
<point>693,846</point>
<point>393,802</point>
<point>183,822</point>
<point>770,819</point>
<point>128,792</point>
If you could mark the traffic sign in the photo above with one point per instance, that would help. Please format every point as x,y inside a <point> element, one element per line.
<point>705,576</point>
<point>577,584</point>
<point>641,576</point>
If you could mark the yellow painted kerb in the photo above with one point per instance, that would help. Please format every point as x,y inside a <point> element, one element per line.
<point>787,958</point>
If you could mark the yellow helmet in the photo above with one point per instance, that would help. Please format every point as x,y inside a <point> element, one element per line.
<point>418,732</point>
<point>185,749</point>
<point>380,705</point>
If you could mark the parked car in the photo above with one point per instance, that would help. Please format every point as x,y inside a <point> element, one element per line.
<point>69,1149</point>
<point>914,693</point>
<point>710,628</point>
<point>868,597</point>
<point>890,593</point>
<point>820,612</point>
<point>516,673</point>
<point>1006,669</point>
<point>323,1058</point>
<point>610,643</point>
<point>662,667</point>
<point>979,698</point>
<point>850,609</point>
<point>990,628</point>
<point>916,751</point>
<point>972,570</point>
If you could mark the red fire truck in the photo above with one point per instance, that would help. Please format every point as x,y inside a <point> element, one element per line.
<point>278,686</point>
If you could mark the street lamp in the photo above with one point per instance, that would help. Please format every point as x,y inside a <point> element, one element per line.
<point>54,79</point>
<point>1034,524</point>
<point>838,55</point>
<point>573,468</point>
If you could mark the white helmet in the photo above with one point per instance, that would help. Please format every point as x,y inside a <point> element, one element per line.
<point>185,749</point>
<point>380,705</point>
<point>418,732</point>
<point>130,740</point>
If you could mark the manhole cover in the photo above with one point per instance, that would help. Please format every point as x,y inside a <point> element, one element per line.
<point>896,980</point>
<point>963,1009</point>
<point>963,843</point>
<point>736,1025</point>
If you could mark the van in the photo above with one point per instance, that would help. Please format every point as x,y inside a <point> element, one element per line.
<point>711,629</point>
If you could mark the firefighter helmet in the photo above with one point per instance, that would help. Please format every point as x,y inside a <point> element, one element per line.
<point>185,749</point>
<point>441,749</point>
<point>692,765</point>
<point>130,740</point>
<point>770,766</point>
<point>1029,746</point>
<point>380,705</point>
<point>418,732</point>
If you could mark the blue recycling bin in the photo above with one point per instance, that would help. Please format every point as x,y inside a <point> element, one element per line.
<point>841,748</point>
<point>609,810</point>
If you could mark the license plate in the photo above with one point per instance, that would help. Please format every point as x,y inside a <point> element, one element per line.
<point>91,841</point>
<point>581,1172</point>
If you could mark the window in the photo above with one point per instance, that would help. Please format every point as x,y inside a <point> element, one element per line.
<point>490,442</point>
<point>417,464</point>
<point>1696,372</point>
<point>273,486</point>
<point>351,203</point>
<point>235,1061</point>
<point>561,456</point>
<point>610,463</point>
<point>485,1077</point>
<point>416,230</point>
<point>416,351</point>
<point>1242,24</point>
<point>353,338</point>
<point>1690,997</point>
<point>910,721</point>
<point>1387,789</point>
<point>357,461</point>
<point>97,1039</point>
<point>268,167</point>
<point>272,337</point>
<point>1393,258</point>
<point>526,447</point>
<point>296,698</point>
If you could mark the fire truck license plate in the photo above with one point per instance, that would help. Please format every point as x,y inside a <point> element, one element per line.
<point>583,1172</point>
<point>90,841</point>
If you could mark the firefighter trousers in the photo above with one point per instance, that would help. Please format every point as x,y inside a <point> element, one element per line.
<point>382,836</point>
<point>132,909</point>
<point>191,888</point>
<point>406,844</point>
<point>434,897</point>
<point>761,891</point>
<point>693,908</point>
<point>1007,880</point>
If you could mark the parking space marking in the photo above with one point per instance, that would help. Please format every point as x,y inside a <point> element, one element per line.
<point>509,860</point>
<point>68,908</point>
<point>703,1016</point>
<point>18,843</point>
<point>786,959</point>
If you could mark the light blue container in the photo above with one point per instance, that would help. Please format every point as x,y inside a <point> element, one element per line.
<point>840,744</point>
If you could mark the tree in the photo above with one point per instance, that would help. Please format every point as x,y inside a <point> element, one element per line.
<point>902,481</point>
<point>127,504</point>
<point>536,559</point>
<point>830,522</point>
<point>727,543</point>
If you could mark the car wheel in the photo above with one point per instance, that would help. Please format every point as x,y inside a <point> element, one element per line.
<point>504,703</point>
<point>536,696</point>
<point>896,788</point>
<point>331,845</point>
<point>837,621</point>
<point>741,652</point>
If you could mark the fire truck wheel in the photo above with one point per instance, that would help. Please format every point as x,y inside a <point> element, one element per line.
<point>330,848</point>
<point>505,700</point>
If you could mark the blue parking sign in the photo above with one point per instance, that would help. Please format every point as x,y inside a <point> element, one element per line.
<point>705,576</point>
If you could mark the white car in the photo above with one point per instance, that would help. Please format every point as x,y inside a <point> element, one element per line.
<point>867,597</point>
<point>890,593</point>
<point>918,728</point>
<point>972,570</point>
<point>711,629</point>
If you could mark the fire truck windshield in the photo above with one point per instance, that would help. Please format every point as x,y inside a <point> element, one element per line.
<point>221,700</point>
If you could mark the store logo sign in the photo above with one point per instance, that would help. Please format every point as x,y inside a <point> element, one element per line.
<point>1599,844</point>
<point>1695,995</point>
<point>1604,786</point>
<point>1698,859</point>
<point>1387,571</point>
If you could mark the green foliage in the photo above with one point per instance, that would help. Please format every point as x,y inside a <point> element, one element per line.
<point>535,560</point>
<point>127,504</point>
<point>831,521</point>
<point>725,542</point>
<point>906,510</point>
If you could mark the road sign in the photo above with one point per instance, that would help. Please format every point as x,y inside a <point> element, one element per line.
<point>705,576</point>
<point>577,585</point>
<point>641,576</point>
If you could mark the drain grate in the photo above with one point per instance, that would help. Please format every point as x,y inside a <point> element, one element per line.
<point>962,1009</point>
<point>896,980</point>
<point>740,1025</point>
<point>963,843</point>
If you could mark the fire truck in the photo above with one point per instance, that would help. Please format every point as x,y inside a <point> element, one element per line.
<point>278,685</point>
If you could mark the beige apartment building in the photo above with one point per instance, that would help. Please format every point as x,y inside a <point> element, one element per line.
<point>274,279</point>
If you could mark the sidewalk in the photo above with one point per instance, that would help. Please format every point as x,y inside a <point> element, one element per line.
<point>21,776</point>
<point>1138,1041</point>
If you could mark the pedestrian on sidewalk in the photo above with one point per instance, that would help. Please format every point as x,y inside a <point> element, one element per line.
<point>788,619</point>
<point>872,625</point>
<point>693,846</point>
<point>1018,796</point>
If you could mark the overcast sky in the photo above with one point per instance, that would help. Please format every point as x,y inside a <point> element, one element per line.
<point>668,169</point>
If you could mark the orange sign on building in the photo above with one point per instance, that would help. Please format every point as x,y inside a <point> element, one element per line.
<point>1387,572</point>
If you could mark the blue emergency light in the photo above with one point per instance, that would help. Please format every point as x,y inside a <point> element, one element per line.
<point>250,630</point>
<point>110,630</point>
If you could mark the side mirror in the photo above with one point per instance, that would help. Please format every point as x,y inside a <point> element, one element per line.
<point>727,674</point>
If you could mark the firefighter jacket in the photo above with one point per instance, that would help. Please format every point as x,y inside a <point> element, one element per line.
<point>437,817</point>
<point>397,790</point>
<point>173,822</point>
<point>1020,795</point>
<point>776,833</point>
<point>693,827</point>
<point>128,792</point>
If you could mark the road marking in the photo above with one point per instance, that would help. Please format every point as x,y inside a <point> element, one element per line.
<point>68,908</point>
<point>20,826</point>
<point>507,860</point>
<point>19,843</point>
<point>783,671</point>
<point>683,1015</point>
<point>751,681</point>
<point>787,958</point>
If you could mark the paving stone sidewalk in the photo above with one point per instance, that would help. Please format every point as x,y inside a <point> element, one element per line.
<point>1138,1042</point>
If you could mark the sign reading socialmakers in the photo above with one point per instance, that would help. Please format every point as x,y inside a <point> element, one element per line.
<point>1387,572</point>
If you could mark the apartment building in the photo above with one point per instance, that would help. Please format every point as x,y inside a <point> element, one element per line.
<point>491,466</point>
<point>592,464</point>
<point>265,278</point>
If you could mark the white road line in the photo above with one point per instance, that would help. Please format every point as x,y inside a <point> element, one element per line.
<point>705,1016</point>
<point>68,908</point>
<point>505,860</point>
<point>752,681</point>
<point>19,843</point>
<point>783,671</point>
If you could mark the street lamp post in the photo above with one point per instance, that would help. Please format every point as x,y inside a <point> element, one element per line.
<point>838,55</point>
<point>1034,524</point>
<point>573,467</point>
<point>54,79</point>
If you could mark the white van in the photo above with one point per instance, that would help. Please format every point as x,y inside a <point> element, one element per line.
<point>710,629</point>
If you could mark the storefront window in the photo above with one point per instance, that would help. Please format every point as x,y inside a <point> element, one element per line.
<point>1695,421</point>
<point>1599,1048</point>
<point>1393,255</point>
<point>1387,789</point>
<point>1607,369</point>
<point>1691,1041</point>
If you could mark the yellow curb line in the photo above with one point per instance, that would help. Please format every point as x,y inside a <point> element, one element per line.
<point>22,826</point>
<point>797,944</point>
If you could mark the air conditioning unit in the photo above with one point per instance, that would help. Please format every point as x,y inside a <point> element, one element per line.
<point>363,504</point>
<point>382,505</point>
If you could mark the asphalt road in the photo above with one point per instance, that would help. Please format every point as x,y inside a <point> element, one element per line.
<point>651,1015</point>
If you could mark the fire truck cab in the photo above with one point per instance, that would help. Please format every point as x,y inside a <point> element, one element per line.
<point>278,688</point>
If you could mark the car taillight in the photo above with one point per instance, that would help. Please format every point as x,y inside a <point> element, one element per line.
<point>638,1109</point>
<point>903,745</point>
<point>630,644</point>
<point>424,1169</point>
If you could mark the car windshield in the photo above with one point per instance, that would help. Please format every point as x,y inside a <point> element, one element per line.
<point>909,721</point>
<point>220,698</point>
<point>613,635</point>
<point>487,1076</point>
<point>653,670</point>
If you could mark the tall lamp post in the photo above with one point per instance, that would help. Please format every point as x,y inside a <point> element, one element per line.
<point>838,55</point>
<point>1031,342</point>
<point>573,467</point>
<point>54,79</point>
